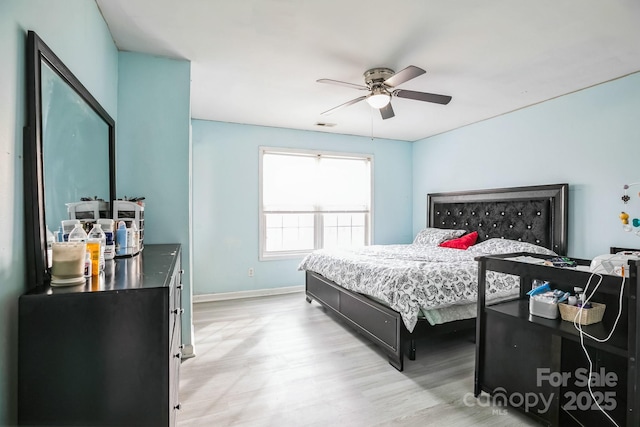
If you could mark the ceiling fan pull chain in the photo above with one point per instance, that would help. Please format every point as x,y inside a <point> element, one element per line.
<point>371,116</point>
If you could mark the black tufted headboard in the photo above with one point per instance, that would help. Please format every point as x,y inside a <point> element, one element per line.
<point>536,214</point>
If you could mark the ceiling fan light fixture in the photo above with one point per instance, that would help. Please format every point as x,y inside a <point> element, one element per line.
<point>379,97</point>
<point>379,100</point>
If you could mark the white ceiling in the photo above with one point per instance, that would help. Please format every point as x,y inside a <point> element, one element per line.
<point>257,61</point>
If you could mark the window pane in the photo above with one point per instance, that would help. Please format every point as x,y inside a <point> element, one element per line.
<point>344,220</point>
<point>330,237</point>
<point>288,182</point>
<point>358,236</point>
<point>289,232</point>
<point>274,239</point>
<point>344,184</point>
<point>290,221</point>
<point>343,230</point>
<point>344,236</point>
<point>307,220</point>
<point>274,220</point>
<point>330,220</point>
<point>306,238</point>
<point>358,219</point>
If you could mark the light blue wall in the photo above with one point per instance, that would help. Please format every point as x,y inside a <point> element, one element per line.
<point>76,32</point>
<point>225,200</point>
<point>153,151</point>
<point>589,139</point>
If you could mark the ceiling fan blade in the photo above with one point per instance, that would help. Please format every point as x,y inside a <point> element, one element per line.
<point>346,104</point>
<point>387,112</point>
<point>405,75</point>
<point>338,82</point>
<point>422,96</point>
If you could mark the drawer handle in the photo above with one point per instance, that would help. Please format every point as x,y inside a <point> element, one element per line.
<point>179,287</point>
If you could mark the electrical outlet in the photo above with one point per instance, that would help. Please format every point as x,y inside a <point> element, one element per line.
<point>251,272</point>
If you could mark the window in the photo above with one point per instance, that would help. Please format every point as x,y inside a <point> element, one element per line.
<point>311,200</point>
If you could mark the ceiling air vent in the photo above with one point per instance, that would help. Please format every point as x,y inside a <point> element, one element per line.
<point>325,125</point>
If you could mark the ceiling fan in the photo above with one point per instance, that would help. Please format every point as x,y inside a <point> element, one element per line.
<point>381,83</point>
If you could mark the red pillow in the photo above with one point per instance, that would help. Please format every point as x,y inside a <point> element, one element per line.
<point>463,242</point>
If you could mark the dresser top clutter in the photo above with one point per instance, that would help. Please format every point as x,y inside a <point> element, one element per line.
<point>126,273</point>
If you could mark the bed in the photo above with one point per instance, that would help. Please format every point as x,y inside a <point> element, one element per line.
<point>396,294</point>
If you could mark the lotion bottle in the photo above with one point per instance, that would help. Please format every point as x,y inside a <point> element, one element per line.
<point>87,264</point>
<point>121,239</point>
<point>110,248</point>
<point>50,240</point>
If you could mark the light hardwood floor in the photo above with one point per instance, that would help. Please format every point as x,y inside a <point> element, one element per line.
<point>280,361</point>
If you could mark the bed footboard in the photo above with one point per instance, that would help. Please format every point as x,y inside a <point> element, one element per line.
<point>378,323</point>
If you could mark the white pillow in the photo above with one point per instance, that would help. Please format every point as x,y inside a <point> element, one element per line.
<point>435,236</point>
<point>505,246</point>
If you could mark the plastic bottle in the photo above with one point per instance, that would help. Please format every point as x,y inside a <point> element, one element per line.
<point>93,249</point>
<point>78,234</point>
<point>121,239</point>
<point>50,240</point>
<point>67,227</point>
<point>97,234</point>
<point>88,268</point>
<point>110,248</point>
<point>135,239</point>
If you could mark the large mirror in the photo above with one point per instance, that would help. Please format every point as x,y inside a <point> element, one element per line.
<point>69,151</point>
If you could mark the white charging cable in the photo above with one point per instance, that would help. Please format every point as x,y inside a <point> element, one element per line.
<point>578,326</point>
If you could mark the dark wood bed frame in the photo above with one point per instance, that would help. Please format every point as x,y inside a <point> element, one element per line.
<point>536,214</point>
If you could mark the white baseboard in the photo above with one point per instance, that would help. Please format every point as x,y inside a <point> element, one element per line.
<point>223,296</point>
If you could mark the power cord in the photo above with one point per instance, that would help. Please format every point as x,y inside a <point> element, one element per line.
<point>578,326</point>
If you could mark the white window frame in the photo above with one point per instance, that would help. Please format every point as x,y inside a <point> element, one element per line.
<point>318,220</point>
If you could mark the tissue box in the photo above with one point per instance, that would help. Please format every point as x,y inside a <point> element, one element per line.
<point>543,309</point>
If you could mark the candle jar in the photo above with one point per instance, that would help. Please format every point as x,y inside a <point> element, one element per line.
<point>68,263</point>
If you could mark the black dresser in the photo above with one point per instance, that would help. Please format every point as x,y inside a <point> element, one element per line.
<point>106,353</point>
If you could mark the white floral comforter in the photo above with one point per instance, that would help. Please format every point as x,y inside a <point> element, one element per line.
<point>414,277</point>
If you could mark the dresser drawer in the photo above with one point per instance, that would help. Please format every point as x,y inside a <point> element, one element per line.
<point>175,359</point>
<point>175,302</point>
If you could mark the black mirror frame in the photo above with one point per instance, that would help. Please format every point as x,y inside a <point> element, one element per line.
<point>35,217</point>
